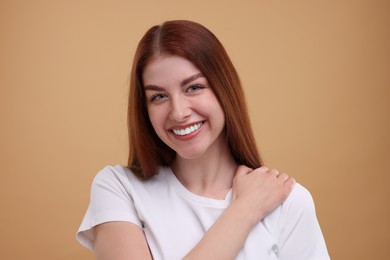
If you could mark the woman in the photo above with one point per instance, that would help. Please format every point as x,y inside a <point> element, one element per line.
<point>195,186</point>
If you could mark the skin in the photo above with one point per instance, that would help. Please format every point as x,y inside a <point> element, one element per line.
<point>176,106</point>
<point>178,97</point>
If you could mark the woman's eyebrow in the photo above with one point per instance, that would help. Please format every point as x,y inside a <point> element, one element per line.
<point>153,87</point>
<point>182,83</point>
<point>191,78</point>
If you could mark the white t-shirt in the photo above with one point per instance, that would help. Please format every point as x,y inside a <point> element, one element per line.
<point>174,219</point>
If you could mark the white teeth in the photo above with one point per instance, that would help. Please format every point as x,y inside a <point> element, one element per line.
<point>187,130</point>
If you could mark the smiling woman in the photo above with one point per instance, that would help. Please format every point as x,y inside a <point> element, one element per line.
<point>198,45</point>
<point>195,186</point>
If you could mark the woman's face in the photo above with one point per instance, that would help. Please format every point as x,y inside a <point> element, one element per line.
<point>182,107</point>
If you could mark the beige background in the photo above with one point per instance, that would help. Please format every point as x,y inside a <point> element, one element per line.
<point>316,75</point>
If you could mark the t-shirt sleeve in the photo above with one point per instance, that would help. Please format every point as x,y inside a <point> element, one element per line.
<point>110,201</point>
<point>301,236</point>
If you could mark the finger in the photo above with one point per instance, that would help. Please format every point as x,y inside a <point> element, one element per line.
<point>274,172</point>
<point>288,186</point>
<point>283,177</point>
<point>290,181</point>
<point>242,170</point>
<point>261,169</point>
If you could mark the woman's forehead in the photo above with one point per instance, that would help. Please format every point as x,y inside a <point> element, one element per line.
<point>168,69</point>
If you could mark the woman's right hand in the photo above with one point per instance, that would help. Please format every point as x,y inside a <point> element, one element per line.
<point>261,190</point>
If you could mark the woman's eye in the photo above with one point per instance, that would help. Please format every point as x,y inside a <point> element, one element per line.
<point>157,97</point>
<point>194,88</point>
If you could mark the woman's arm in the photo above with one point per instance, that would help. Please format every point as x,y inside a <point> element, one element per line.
<point>255,194</point>
<point>120,240</point>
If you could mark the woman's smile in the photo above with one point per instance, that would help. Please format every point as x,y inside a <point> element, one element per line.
<point>187,130</point>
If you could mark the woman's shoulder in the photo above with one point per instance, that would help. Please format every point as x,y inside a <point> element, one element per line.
<point>113,170</point>
<point>298,206</point>
<point>296,211</point>
<point>114,175</point>
<point>299,198</point>
<point>299,202</point>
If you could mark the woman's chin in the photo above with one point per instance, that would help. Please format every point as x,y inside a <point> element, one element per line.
<point>190,155</point>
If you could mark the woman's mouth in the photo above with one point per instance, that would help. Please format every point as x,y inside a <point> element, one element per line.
<point>188,130</point>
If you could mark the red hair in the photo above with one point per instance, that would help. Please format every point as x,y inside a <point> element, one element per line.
<point>197,44</point>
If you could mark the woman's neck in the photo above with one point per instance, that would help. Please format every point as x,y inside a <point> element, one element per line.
<point>210,175</point>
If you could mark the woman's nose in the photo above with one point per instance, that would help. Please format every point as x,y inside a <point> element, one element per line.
<point>180,109</point>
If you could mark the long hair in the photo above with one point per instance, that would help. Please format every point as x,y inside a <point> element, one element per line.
<point>197,44</point>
